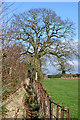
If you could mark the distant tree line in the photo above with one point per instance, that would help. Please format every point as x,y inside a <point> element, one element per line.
<point>64,75</point>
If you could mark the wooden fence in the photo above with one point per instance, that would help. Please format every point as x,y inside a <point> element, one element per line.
<point>46,104</point>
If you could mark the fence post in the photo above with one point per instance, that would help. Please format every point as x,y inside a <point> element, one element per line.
<point>62,112</point>
<point>44,103</point>
<point>50,108</point>
<point>36,76</point>
<point>57,114</point>
<point>67,116</point>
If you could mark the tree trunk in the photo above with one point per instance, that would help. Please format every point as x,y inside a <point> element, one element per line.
<point>63,72</point>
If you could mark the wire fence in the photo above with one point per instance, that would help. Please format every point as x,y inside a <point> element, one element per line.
<point>47,108</point>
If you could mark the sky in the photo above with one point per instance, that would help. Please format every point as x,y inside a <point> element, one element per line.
<point>63,9</point>
<point>42,0</point>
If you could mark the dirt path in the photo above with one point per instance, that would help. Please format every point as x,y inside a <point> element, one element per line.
<point>15,104</point>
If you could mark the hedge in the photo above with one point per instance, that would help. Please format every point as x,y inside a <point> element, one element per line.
<point>63,75</point>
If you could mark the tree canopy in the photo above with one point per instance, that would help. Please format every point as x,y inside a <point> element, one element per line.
<point>44,34</point>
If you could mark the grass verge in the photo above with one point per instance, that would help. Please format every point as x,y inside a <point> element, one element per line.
<point>64,91</point>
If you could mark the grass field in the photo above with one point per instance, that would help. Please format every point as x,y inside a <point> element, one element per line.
<point>64,91</point>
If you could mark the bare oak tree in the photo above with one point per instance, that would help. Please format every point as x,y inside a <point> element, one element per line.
<point>43,32</point>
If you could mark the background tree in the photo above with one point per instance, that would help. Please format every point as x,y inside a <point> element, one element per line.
<point>66,51</point>
<point>42,31</point>
<point>64,65</point>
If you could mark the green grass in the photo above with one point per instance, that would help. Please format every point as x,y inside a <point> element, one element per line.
<point>64,91</point>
